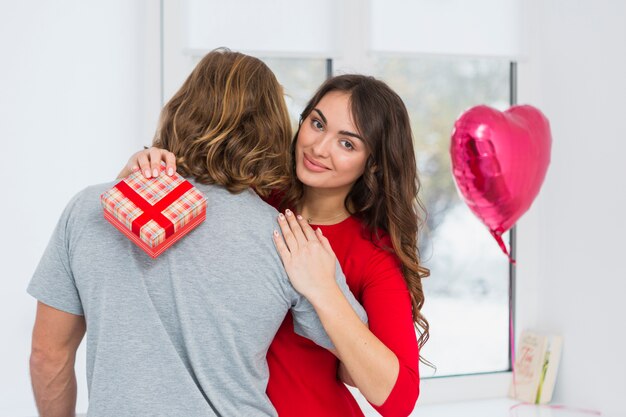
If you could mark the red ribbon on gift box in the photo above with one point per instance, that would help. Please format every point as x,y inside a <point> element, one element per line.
<point>153,212</point>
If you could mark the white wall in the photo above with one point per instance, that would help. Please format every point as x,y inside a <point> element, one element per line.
<point>571,243</point>
<point>79,92</point>
<point>450,27</point>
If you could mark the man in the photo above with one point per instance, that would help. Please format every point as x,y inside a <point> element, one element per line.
<point>185,334</point>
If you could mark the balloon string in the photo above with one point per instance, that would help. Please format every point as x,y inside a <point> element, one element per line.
<point>512,344</point>
<point>498,237</point>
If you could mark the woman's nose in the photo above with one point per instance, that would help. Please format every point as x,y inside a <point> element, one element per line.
<point>321,146</point>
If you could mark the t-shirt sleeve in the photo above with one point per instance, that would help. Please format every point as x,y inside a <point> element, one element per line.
<point>388,304</point>
<point>53,283</point>
<point>306,322</point>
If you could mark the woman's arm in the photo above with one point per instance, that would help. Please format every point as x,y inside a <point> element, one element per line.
<point>379,366</point>
<point>149,160</point>
<point>344,375</point>
<point>372,367</point>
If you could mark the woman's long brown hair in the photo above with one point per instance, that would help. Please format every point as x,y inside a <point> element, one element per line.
<point>385,196</point>
<point>229,125</point>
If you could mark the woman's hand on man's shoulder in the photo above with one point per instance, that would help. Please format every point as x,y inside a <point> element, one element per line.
<point>149,162</point>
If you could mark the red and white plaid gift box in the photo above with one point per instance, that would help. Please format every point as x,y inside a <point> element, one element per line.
<point>154,213</point>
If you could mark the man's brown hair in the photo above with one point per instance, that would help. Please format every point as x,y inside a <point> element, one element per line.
<point>228,124</point>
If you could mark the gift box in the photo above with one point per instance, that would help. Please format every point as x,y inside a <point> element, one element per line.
<point>154,212</point>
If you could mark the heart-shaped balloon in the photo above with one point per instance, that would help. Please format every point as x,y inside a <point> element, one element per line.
<point>499,161</point>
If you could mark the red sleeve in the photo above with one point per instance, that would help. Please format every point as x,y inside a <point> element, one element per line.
<point>274,198</point>
<point>388,304</point>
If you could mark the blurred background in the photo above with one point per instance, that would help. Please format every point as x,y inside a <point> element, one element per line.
<point>82,84</point>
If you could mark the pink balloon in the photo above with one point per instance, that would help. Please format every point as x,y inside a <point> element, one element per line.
<point>499,161</point>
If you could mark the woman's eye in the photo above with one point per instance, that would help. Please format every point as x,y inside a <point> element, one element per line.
<point>347,144</point>
<point>317,124</point>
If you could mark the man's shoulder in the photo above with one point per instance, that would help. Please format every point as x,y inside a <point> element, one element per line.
<point>96,190</point>
<point>88,199</point>
<point>244,204</point>
<point>84,209</point>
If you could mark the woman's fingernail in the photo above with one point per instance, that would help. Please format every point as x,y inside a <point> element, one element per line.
<point>170,171</point>
<point>276,233</point>
<point>281,216</point>
<point>288,212</point>
<point>135,168</point>
<point>155,172</point>
<point>147,173</point>
<point>299,217</point>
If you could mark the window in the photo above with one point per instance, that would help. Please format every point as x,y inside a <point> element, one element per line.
<point>409,45</point>
<point>467,294</point>
<point>300,78</point>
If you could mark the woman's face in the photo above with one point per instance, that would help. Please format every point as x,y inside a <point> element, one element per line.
<point>330,152</point>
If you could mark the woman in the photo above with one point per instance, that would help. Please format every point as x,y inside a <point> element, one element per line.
<point>354,179</point>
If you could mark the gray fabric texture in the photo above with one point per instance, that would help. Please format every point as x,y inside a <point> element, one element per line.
<point>185,334</point>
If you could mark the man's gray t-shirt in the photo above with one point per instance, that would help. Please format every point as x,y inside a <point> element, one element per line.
<point>185,334</point>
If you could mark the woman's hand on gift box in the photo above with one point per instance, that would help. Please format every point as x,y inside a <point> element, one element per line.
<point>149,162</point>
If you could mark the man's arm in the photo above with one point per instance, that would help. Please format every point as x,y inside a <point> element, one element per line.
<point>56,337</point>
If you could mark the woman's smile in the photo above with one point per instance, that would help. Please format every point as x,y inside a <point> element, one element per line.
<point>312,165</point>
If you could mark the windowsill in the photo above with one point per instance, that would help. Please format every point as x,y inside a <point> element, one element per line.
<point>452,389</point>
<point>482,395</point>
<point>494,407</point>
<point>497,407</point>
